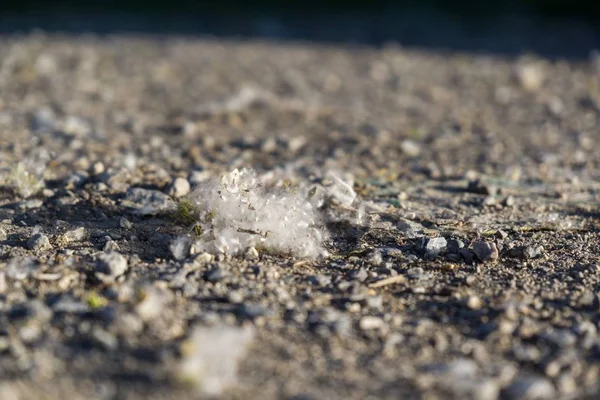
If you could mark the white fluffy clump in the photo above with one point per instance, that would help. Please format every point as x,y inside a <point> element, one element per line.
<point>236,212</point>
<point>211,356</point>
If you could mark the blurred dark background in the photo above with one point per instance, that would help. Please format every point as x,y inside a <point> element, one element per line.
<point>554,28</point>
<point>584,9</point>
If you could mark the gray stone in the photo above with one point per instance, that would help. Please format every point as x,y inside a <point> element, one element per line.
<point>479,187</point>
<point>151,302</point>
<point>509,201</point>
<point>560,337</point>
<point>110,246</point>
<point>43,120</point>
<point>530,388</point>
<point>20,268</point>
<point>128,324</point>
<point>3,234</point>
<point>235,296</point>
<point>30,204</point>
<point>416,273</point>
<point>526,252</point>
<point>180,247</point>
<point>215,275</point>
<point>485,251</point>
<point>374,302</point>
<point>76,179</point>
<point>410,148</point>
<point>253,311</point>
<point>148,202</point>
<point>97,168</point>
<point>39,242</point>
<point>361,275</point>
<point>434,247</point>
<point>69,305</point>
<point>105,339</point>
<point>161,240</point>
<point>376,258</point>
<point>179,187</point>
<point>30,333</point>
<point>467,255</point>
<point>251,253</point>
<point>454,245</point>
<point>500,234</point>
<point>109,266</point>
<point>368,323</point>
<point>124,223</point>
<point>327,321</point>
<point>473,302</point>
<point>320,280</point>
<point>410,229</point>
<point>75,235</point>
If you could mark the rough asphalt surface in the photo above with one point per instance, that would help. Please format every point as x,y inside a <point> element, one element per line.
<point>474,274</point>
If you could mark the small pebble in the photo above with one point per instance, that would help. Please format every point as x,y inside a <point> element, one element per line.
<point>215,275</point>
<point>39,242</point>
<point>180,247</point>
<point>473,302</point>
<point>97,168</point>
<point>479,187</point>
<point>75,235</point>
<point>434,247</point>
<point>124,223</point>
<point>251,253</point>
<point>109,266</point>
<point>361,275</point>
<point>179,187</point>
<point>467,255</point>
<point>148,202</point>
<point>485,251</point>
<point>500,234</point>
<point>320,280</point>
<point>110,245</point>
<point>454,245</point>
<point>530,76</point>
<point>530,388</point>
<point>410,148</point>
<point>410,229</point>
<point>151,302</point>
<point>369,323</point>
<point>526,252</point>
<point>508,201</point>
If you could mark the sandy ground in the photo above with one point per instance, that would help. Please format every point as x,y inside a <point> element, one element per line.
<point>473,273</point>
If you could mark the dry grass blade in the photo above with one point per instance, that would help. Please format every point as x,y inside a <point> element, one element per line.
<point>388,281</point>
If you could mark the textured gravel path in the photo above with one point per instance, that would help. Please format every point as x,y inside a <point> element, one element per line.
<point>467,266</point>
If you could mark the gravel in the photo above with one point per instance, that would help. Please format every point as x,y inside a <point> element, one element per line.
<point>434,247</point>
<point>369,323</point>
<point>485,251</point>
<point>530,388</point>
<point>39,242</point>
<point>180,187</point>
<point>109,266</point>
<point>148,202</point>
<point>458,207</point>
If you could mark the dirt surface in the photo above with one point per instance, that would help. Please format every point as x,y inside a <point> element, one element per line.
<point>474,272</point>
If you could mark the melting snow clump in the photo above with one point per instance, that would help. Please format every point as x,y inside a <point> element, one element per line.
<point>237,212</point>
